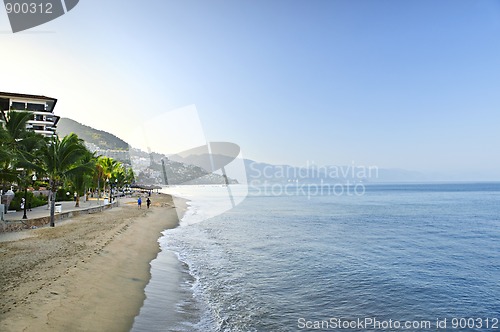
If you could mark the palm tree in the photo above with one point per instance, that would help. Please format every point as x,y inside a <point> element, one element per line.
<point>19,150</point>
<point>98,176</point>
<point>109,167</point>
<point>119,175</point>
<point>7,172</point>
<point>61,160</point>
<point>15,130</point>
<point>129,176</point>
<point>29,152</point>
<point>82,178</point>
<point>19,147</point>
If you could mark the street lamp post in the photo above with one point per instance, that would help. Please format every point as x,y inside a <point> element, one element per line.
<point>98,190</point>
<point>33,180</point>
<point>116,192</point>
<point>109,198</point>
<point>25,194</point>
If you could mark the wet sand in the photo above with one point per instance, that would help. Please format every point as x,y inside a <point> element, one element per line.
<point>85,275</point>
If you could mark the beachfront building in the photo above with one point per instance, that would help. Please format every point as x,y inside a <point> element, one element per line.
<point>43,120</point>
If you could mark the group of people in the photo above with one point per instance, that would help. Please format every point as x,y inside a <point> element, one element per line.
<point>139,202</point>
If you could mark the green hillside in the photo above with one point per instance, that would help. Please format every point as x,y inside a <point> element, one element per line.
<point>177,172</point>
<point>102,139</point>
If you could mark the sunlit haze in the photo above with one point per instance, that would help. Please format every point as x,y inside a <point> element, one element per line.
<point>396,84</point>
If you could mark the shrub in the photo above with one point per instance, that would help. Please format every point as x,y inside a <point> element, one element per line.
<point>61,195</point>
<point>35,201</point>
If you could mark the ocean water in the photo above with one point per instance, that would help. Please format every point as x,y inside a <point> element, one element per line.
<point>395,257</point>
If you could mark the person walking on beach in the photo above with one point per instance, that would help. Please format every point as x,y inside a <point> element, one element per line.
<point>139,202</point>
<point>148,202</point>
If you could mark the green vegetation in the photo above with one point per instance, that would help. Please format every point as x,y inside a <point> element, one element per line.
<point>33,200</point>
<point>100,138</point>
<point>60,165</point>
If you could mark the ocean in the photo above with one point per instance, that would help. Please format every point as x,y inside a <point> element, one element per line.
<point>409,257</point>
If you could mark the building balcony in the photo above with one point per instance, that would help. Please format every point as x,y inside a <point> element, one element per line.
<point>40,123</point>
<point>45,132</point>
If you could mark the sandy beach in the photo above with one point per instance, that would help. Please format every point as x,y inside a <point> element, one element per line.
<point>88,274</point>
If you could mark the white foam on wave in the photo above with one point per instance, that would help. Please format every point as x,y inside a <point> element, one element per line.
<point>187,252</point>
<point>204,202</point>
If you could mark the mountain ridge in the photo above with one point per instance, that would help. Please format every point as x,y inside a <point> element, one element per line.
<point>257,172</point>
<point>148,166</point>
<point>100,138</point>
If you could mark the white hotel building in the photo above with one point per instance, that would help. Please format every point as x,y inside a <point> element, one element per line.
<point>43,120</point>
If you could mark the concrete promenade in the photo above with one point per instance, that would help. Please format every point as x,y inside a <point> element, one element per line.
<point>40,216</point>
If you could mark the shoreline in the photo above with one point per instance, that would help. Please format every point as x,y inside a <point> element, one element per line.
<point>86,275</point>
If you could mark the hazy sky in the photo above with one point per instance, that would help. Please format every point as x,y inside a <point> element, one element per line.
<point>403,84</point>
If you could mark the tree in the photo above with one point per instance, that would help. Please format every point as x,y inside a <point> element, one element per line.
<point>109,170</point>
<point>82,177</point>
<point>129,176</point>
<point>15,132</point>
<point>7,172</point>
<point>19,147</point>
<point>109,167</point>
<point>98,177</point>
<point>62,159</point>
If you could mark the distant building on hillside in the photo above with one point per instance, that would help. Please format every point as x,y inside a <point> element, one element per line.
<point>43,120</point>
<point>120,155</point>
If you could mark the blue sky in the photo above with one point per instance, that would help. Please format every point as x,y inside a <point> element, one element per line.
<point>401,84</point>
